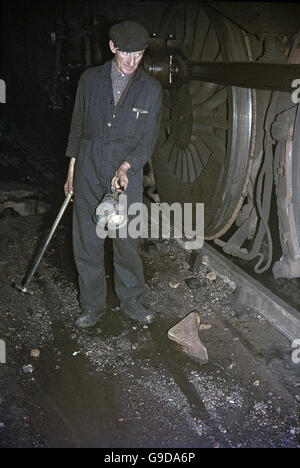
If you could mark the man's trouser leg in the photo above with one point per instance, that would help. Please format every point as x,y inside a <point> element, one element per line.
<point>89,257</point>
<point>128,269</point>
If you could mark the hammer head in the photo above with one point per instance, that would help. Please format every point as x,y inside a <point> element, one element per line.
<point>21,288</point>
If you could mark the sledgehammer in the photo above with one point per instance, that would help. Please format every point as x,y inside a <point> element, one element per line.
<point>24,285</point>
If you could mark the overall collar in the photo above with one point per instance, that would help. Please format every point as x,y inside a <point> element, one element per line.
<point>105,75</point>
<point>106,69</point>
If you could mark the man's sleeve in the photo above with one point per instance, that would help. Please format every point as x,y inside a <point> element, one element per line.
<point>145,147</point>
<point>77,121</point>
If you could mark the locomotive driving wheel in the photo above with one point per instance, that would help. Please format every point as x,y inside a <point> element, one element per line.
<point>205,139</point>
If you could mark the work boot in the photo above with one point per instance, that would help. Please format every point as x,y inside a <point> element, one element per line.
<point>89,318</point>
<point>134,310</point>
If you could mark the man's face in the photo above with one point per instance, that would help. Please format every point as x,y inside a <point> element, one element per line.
<point>127,62</point>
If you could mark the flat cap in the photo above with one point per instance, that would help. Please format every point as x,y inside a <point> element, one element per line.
<point>129,36</point>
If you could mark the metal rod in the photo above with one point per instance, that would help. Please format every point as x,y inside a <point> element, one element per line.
<point>24,286</point>
<point>259,75</point>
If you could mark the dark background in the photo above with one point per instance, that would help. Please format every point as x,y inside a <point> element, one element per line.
<point>32,31</point>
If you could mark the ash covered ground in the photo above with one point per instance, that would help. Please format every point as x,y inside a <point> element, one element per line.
<point>122,384</point>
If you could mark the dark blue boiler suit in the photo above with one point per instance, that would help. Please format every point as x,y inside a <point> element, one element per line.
<point>101,137</point>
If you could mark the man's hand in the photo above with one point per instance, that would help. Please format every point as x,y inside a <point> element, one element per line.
<point>68,187</point>
<point>120,179</point>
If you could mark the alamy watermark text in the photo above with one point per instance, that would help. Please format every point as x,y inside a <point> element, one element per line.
<point>295,355</point>
<point>2,352</point>
<point>2,92</point>
<point>185,221</point>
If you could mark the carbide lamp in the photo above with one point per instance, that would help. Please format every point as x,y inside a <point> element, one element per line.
<point>111,213</point>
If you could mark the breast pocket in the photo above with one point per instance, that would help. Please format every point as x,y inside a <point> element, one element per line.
<point>132,121</point>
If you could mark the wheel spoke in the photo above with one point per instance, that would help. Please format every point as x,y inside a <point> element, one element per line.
<point>199,40</point>
<point>217,145</point>
<point>211,47</point>
<point>177,170</point>
<point>168,144</point>
<point>198,166</point>
<point>211,123</point>
<point>184,168</point>
<point>167,99</point>
<point>204,152</point>
<point>215,101</point>
<point>190,164</point>
<point>173,160</point>
<point>203,93</point>
<point>166,123</point>
<point>172,154</point>
<point>196,26</point>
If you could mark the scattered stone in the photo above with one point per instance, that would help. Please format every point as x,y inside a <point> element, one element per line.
<point>222,429</point>
<point>149,247</point>
<point>256,383</point>
<point>211,276</point>
<point>231,401</point>
<point>35,353</point>
<point>193,283</point>
<point>205,326</point>
<point>230,283</point>
<point>173,284</point>
<point>28,369</point>
<point>261,407</point>
<point>185,334</point>
<point>163,247</point>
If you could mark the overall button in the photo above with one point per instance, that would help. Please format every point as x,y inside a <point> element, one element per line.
<point>108,124</point>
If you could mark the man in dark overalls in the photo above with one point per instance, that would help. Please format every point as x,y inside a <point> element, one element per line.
<point>113,132</point>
